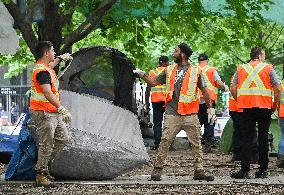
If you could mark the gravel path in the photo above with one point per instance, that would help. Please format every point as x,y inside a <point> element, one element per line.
<point>176,179</point>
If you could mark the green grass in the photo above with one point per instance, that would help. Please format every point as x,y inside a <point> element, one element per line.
<point>225,144</point>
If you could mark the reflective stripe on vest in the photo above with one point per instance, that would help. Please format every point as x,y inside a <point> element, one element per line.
<point>158,91</point>
<point>208,82</point>
<point>253,77</point>
<point>190,96</point>
<point>168,79</point>
<point>282,94</point>
<point>39,96</point>
<point>281,105</point>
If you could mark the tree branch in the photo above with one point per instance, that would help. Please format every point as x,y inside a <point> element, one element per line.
<point>270,33</point>
<point>24,26</point>
<point>277,38</point>
<point>90,24</point>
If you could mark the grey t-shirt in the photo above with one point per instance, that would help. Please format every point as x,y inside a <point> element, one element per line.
<point>172,106</point>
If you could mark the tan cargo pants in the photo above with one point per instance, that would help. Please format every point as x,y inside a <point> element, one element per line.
<point>51,136</point>
<point>172,126</point>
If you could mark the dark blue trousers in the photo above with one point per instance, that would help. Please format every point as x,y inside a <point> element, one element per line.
<point>158,113</point>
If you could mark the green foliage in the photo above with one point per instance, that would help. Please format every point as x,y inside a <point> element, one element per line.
<point>145,29</point>
<point>225,144</point>
<point>18,62</point>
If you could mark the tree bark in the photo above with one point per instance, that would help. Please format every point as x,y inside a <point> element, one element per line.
<point>24,26</point>
<point>51,27</point>
<point>90,24</point>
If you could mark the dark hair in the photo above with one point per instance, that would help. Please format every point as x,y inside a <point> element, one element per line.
<point>163,59</point>
<point>42,47</point>
<point>255,52</point>
<point>184,48</point>
<point>202,57</point>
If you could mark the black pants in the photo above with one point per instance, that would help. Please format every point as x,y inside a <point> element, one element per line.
<point>249,118</point>
<point>208,134</point>
<point>158,112</point>
<point>236,138</point>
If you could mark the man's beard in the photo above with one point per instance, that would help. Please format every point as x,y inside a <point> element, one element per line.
<point>178,59</point>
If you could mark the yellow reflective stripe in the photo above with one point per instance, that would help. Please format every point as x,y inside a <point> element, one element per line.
<point>39,96</point>
<point>168,77</point>
<point>191,84</point>
<point>161,88</point>
<point>282,94</point>
<point>186,98</point>
<point>253,75</point>
<point>209,84</point>
<point>190,96</point>
<point>157,71</point>
<point>255,91</point>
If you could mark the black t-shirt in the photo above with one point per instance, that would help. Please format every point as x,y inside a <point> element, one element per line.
<point>43,77</point>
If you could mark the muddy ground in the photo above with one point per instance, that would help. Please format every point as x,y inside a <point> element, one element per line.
<point>178,168</point>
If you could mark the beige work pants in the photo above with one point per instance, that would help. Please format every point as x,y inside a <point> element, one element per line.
<point>172,126</point>
<point>51,136</point>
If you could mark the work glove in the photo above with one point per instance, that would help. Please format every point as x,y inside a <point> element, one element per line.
<point>65,57</point>
<point>226,88</point>
<point>211,115</point>
<point>66,116</point>
<point>139,72</point>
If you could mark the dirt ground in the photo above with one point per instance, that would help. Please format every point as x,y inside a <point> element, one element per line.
<point>178,165</point>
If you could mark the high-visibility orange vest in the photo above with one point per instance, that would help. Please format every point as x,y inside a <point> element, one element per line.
<point>157,92</point>
<point>37,99</point>
<point>189,96</point>
<point>208,73</point>
<point>233,105</point>
<point>254,88</point>
<point>281,103</point>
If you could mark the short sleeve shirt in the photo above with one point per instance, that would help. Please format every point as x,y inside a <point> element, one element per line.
<point>172,107</point>
<point>43,77</point>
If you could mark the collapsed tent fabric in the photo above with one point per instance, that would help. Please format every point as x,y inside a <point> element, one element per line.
<point>105,140</point>
<point>21,165</point>
<point>103,72</point>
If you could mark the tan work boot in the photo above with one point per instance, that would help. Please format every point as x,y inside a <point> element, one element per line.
<point>43,180</point>
<point>202,175</point>
<point>156,174</point>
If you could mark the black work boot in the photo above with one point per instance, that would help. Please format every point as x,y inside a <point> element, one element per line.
<point>156,174</point>
<point>207,147</point>
<point>202,175</point>
<point>261,174</point>
<point>240,175</point>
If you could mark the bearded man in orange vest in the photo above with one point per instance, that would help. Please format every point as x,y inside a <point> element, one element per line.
<point>182,81</point>
<point>158,101</point>
<point>214,83</point>
<point>253,87</point>
<point>47,113</point>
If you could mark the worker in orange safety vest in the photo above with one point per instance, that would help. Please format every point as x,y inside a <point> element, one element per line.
<point>214,83</point>
<point>158,101</point>
<point>47,113</point>
<point>254,85</point>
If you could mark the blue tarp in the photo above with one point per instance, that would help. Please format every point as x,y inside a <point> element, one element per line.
<point>22,163</point>
<point>8,143</point>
